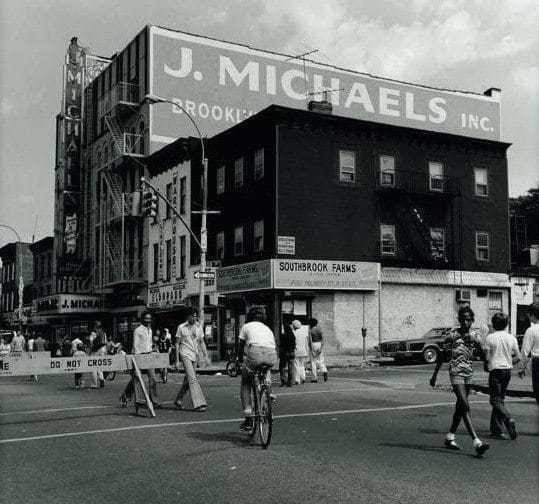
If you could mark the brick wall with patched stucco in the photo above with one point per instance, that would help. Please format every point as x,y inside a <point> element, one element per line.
<point>409,311</point>
<point>340,315</point>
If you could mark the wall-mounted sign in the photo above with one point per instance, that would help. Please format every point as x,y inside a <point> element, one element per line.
<point>67,303</point>
<point>166,296</point>
<point>325,275</point>
<point>244,277</point>
<point>221,83</point>
<point>286,245</point>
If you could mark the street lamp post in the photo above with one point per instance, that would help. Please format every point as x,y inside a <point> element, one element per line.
<point>21,280</point>
<point>152,99</point>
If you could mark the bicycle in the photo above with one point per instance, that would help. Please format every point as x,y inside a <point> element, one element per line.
<point>262,410</point>
<point>233,366</point>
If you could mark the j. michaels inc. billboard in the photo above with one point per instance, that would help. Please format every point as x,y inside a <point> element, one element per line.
<point>221,83</point>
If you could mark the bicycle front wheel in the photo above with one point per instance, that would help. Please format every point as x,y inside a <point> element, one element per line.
<point>265,416</point>
<point>231,369</point>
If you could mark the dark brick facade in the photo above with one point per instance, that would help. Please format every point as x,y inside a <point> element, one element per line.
<point>300,194</point>
<point>11,273</point>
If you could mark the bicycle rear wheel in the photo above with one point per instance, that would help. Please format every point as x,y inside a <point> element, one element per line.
<point>265,417</point>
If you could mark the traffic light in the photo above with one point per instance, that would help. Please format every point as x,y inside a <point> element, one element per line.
<point>149,206</point>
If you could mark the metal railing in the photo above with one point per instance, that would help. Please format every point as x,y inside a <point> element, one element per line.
<point>125,93</point>
<point>133,144</point>
<point>416,182</point>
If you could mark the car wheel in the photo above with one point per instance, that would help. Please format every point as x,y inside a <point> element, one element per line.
<point>430,355</point>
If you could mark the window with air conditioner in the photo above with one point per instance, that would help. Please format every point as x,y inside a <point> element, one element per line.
<point>387,239</point>
<point>481,182</point>
<point>238,241</point>
<point>463,296</point>
<point>387,171</point>
<point>436,177</point>
<point>437,246</point>
<point>347,166</point>
<point>482,246</point>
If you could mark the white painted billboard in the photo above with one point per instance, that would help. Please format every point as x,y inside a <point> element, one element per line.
<point>222,83</point>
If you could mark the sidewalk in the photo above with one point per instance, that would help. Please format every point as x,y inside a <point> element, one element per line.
<point>517,387</point>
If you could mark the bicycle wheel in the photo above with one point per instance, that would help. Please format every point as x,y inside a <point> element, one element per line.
<point>110,375</point>
<point>254,402</point>
<point>231,369</point>
<point>265,416</point>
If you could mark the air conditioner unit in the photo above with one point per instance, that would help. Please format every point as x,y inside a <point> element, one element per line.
<point>463,296</point>
<point>534,255</point>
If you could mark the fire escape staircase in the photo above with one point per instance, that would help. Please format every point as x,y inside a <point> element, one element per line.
<point>117,133</point>
<point>113,250</point>
<point>431,251</point>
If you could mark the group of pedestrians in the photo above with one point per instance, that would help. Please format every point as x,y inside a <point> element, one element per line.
<point>297,344</point>
<point>499,352</point>
<point>21,344</point>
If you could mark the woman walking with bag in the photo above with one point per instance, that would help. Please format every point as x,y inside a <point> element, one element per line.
<point>189,339</point>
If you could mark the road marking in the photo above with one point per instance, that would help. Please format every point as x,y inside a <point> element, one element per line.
<point>383,382</point>
<point>227,420</point>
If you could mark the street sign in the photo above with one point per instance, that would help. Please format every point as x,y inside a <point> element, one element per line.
<point>204,275</point>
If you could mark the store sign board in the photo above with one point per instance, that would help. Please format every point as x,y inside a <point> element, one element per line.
<point>221,83</point>
<point>325,275</point>
<point>286,245</point>
<point>67,303</point>
<point>164,296</point>
<point>244,277</point>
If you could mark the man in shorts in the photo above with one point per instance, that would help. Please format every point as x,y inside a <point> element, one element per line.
<point>256,350</point>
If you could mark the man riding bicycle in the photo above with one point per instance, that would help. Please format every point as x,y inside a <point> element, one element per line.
<point>258,343</point>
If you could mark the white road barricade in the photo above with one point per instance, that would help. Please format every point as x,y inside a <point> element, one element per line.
<point>27,365</point>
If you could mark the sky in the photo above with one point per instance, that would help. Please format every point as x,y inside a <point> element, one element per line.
<point>469,45</point>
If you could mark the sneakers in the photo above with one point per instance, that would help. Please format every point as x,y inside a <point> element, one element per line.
<point>481,449</point>
<point>200,409</point>
<point>512,428</point>
<point>326,376</point>
<point>247,424</point>
<point>451,444</point>
<point>499,435</point>
<point>273,397</point>
<point>178,405</point>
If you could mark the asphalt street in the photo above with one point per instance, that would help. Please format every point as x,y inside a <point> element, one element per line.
<point>367,435</point>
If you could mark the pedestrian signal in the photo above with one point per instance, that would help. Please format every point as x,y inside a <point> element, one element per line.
<point>149,208</point>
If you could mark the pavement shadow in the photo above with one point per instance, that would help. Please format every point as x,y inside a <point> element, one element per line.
<point>239,440</point>
<point>427,449</point>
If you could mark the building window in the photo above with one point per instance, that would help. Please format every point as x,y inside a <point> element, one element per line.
<point>259,236</point>
<point>220,180</point>
<point>387,238</point>
<point>437,245</point>
<point>169,260</point>
<point>183,194</point>
<point>168,212</point>
<point>183,255</point>
<point>482,246</point>
<point>347,166</point>
<point>436,177</point>
<point>495,303</point>
<point>238,172</point>
<point>259,164</point>
<point>238,241</point>
<point>155,262</point>
<point>220,246</point>
<point>387,171</point>
<point>481,182</point>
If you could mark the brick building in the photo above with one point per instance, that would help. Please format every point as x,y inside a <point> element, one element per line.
<point>358,224</point>
<point>12,255</point>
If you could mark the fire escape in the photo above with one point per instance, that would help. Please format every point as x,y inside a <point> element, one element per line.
<point>426,213</point>
<point>118,208</point>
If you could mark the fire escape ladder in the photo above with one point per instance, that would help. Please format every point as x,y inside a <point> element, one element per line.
<point>113,250</point>
<point>114,187</point>
<point>116,132</point>
<point>432,248</point>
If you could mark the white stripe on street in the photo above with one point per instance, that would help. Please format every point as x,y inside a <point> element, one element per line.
<point>383,382</point>
<point>228,420</point>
